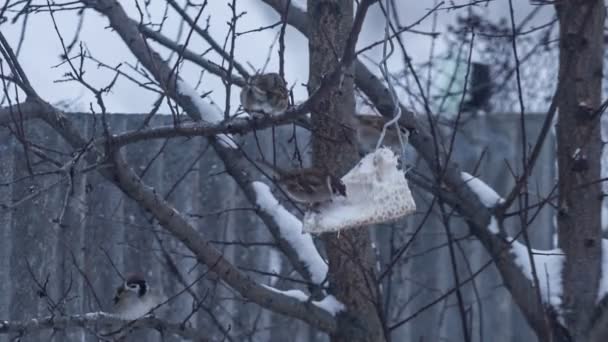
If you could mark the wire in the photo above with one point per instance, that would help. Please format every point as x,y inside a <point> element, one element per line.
<point>386,54</point>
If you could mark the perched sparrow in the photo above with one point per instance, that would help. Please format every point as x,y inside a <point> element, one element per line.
<point>265,94</point>
<point>134,299</point>
<point>308,185</point>
<point>369,128</point>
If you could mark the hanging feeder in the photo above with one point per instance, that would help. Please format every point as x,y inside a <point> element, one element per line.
<point>376,192</point>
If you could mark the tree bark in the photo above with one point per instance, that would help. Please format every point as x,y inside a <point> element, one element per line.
<point>579,147</point>
<point>351,271</point>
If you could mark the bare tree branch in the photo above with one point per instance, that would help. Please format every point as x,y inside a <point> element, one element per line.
<point>468,204</point>
<point>95,321</point>
<point>235,165</point>
<point>232,159</point>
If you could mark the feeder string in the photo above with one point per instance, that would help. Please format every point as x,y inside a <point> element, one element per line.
<point>384,70</point>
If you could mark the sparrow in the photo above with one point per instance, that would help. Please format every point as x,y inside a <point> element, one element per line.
<point>265,94</point>
<point>310,186</point>
<point>135,298</point>
<point>369,128</point>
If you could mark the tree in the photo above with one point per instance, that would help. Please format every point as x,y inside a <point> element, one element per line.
<point>579,218</point>
<point>345,298</point>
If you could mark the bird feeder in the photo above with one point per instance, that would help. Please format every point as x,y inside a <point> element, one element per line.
<point>376,192</point>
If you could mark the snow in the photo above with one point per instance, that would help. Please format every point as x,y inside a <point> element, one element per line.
<point>291,230</point>
<point>208,112</point>
<point>299,4</point>
<point>604,216</point>
<point>548,264</point>
<point>604,171</point>
<point>485,193</point>
<point>297,294</point>
<point>493,226</point>
<point>603,288</point>
<point>604,174</point>
<point>330,303</point>
<point>95,315</point>
<point>274,264</point>
<point>555,237</point>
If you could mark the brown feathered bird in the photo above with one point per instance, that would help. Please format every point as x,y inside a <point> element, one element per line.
<point>308,185</point>
<point>265,94</point>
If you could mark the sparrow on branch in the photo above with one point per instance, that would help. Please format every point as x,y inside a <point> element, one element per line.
<point>308,185</point>
<point>135,298</point>
<point>265,94</point>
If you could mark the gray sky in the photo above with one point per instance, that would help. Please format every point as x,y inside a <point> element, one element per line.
<point>41,50</point>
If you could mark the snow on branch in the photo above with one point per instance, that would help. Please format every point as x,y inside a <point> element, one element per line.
<point>603,288</point>
<point>548,264</point>
<point>207,111</point>
<point>488,197</point>
<point>291,230</point>
<point>330,303</point>
<point>93,320</point>
<point>493,226</point>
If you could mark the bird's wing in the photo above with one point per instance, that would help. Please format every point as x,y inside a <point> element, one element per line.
<point>259,92</point>
<point>280,92</point>
<point>118,294</point>
<point>310,180</point>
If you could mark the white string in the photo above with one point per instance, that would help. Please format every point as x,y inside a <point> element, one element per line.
<point>384,69</point>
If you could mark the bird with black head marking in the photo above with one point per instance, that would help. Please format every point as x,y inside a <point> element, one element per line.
<point>135,298</point>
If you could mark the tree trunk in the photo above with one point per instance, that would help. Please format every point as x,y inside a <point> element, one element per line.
<point>351,271</point>
<point>579,153</point>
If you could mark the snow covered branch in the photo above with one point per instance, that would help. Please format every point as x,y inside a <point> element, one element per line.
<point>484,192</point>
<point>208,111</point>
<point>96,321</point>
<point>548,265</point>
<point>603,287</point>
<point>291,230</point>
<point>329,303</point>
<point>181,229</point>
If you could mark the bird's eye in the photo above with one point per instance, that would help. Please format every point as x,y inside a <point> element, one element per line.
<point>133,286</point>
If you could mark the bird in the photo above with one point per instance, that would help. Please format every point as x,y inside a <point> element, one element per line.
<point>265,94</point>
<point>135,298</point>
<point>311,186</point>
<point>369,128</point>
